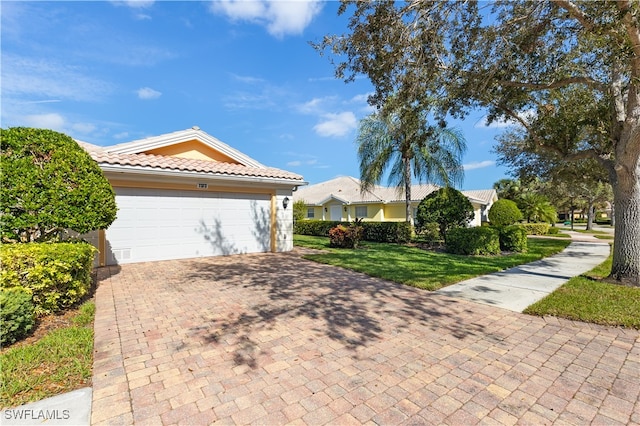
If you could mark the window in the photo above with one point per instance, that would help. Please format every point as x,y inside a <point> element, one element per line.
<point>361,211</point>
<point>311,213</point>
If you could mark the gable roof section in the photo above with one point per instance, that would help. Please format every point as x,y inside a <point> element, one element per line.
<point>346,189</point>
<point>109,158</point>
<point>155,142</point>
<point>483,196</point>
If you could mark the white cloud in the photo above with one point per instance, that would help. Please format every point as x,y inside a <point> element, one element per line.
<point>479,164</point>
<point>121,135</point>
<point>28,77</point>
<point>247,79</point>
<point>83,127</point>
<point>336,124</point>
<point>134,4</point>
<point>279,17</point>
<point>314,106</point>
<point>148,93</point>
<point>51,121</point>
<point>294,163</point>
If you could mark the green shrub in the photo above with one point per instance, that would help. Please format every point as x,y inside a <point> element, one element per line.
<point>57,274</point>
<point>387,232</point>
<point>318,228</point>
<point>513,238</point>
<point>476,240</point>
<point>429,232</point>
<point>504,213</point>
<point>50,185</point>
<point>553,230</point>
<point>383,232</point>
<point>345,236</point>
<point>16,314</point>
<point>447,207</point>
<point>536,228</point>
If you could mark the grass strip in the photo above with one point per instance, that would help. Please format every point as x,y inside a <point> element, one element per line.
<point>424,269</point>
<point>61,361</point>
<point>588,298</point>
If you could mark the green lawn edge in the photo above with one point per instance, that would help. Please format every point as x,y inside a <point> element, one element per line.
<point>59,362</point>
<point>588,298</point>
<point>424,269</point>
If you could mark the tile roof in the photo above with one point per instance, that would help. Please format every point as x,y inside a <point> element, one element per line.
<point>159,162</point>
<point>347,190</point>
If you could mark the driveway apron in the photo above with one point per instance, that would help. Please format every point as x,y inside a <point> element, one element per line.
<point>275,339</point>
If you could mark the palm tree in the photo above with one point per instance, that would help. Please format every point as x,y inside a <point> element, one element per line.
<point>405,142</point>
<point>537,208</point>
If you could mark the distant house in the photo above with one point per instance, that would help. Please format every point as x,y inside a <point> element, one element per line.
<point>341,199</point>
<point>187,194</point>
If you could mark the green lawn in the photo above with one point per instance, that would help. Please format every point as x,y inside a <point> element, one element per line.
<point>590,299</point>
<point>421,268</point>
<point>60,361</point>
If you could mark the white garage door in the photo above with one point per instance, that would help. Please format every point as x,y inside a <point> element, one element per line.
<point>155,224</point>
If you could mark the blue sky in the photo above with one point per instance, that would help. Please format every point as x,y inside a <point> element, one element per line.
<point>243,71</point>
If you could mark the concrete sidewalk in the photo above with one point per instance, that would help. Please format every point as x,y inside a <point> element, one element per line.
<point>71,408</point>
<point>517,288</point>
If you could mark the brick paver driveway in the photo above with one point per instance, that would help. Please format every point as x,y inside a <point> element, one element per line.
<point>273,339</point>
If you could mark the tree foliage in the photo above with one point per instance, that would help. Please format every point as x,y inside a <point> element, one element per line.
<point>50,185</point>
<point>299,210</point>
<point>407,146</point>
<point>447,207</point>
<point>539,64</point>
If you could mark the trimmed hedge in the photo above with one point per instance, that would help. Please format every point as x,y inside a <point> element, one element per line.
<point>475,241</point>
<point>382,232</point>
<point>56,274</point>
<point>16,314</point>
<point>553,230</point>
<point>318,228</point>
<point>387,232</point>
<point>513,238</point>
<point>536,228</point>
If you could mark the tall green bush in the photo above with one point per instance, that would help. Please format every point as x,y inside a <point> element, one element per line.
<point>479,240</point>
<point>513,238</point>
<point>49,185</point>
<point>57,274</point>
<point>447,207</point>
<point>16,314</point>
<point>504,213</point>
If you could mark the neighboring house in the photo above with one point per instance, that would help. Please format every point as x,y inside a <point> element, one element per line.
<point>186,194</point>
<point>341,199</point>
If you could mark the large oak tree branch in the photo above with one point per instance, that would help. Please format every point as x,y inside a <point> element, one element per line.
<point>557,84</point>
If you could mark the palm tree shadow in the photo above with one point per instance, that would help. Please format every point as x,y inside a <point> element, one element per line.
<point>214,235</point>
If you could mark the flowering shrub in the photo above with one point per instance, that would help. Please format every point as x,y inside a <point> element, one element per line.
<point>345,236</point>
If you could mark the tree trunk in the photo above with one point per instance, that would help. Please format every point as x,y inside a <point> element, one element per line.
<point>612,215</point>
<point>626,243</point>
<point>407,189</point>
<point>590,214</point>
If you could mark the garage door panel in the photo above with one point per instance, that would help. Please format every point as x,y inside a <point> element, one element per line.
<point>166,224</point>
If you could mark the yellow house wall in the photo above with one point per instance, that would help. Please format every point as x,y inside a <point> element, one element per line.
<point>194,150</point>
<point>395,213</point>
